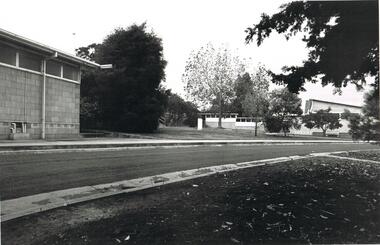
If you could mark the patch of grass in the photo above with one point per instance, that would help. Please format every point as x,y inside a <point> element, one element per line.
<point>317,200</point>
<point>216,133</point>
<point>368,155</point>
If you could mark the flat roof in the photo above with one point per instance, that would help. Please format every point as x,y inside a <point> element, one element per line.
<point>9,36</point>
<point>335,103</point>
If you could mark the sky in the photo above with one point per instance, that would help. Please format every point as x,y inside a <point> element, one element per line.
<point>183,26</point>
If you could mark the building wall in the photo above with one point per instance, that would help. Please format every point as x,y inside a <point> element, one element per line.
<point>21,101</point>
<point>335,108</point>
<point>62,108</point>
<point>306,131</point>
<point>212,122</point>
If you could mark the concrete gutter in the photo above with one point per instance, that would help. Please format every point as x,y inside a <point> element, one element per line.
<point>130,143</point>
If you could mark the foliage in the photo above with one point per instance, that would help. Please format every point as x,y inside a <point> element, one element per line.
<point>371,103</point>
<point>249,84</point>
<point>284,110</point>
<point>362,126</point>
<point>255,103</point>
<point>342,37</point>
<point>273,124</point>
<point>322,119</point>
<point>210,74</point>
<point>242,84</point>
<point>129,96</point>
<point>180,112</point>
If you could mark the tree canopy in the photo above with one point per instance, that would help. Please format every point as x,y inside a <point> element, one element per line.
<point>180,112</point>
<point>209,75</point>
<point>342,38</point>
<point>322,119</point>
<point>129,96</point>
<point>284,110</point>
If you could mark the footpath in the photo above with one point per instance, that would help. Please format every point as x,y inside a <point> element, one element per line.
<point>93,143</point>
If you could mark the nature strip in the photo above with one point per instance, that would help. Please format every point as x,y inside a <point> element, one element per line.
<point>18,207</point>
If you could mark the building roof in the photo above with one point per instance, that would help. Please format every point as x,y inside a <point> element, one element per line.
<point>9,36</point>
<point>335,103</point>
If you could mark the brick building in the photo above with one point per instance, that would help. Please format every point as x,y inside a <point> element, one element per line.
<point>39,89</point>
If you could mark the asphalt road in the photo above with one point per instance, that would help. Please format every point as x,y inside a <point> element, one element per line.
<point>24,174</point>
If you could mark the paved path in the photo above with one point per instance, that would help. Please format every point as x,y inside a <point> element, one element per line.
<point>25,174</point>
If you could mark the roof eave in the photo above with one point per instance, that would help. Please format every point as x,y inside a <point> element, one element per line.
<point>41,47</point>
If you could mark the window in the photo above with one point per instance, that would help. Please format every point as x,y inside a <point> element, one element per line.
<point>30,61</point>
<point>7,54</point>
<point>53,68</point>
<point>70,72</point>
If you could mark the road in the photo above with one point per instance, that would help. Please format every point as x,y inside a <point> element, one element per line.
<point>24,174</point>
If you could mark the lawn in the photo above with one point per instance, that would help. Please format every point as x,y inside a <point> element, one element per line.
<point>316,200</point>
<point>369,155</point>
<point>232,134</point>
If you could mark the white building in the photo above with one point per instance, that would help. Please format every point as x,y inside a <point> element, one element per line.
<point>314,105</point>
<point>231,121</point>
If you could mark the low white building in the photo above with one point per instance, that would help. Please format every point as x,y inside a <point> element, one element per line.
<point>231,121</point>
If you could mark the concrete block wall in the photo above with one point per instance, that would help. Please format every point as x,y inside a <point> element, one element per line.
<point>21,101</point>
<point>62,108</point>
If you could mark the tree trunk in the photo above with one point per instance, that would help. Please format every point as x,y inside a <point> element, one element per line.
<point>255,126</point>
<point>220,111</point>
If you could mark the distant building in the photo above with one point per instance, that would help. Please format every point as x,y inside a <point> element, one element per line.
<point>313,105</point>
<point>39,89</point>
<point>231,121</point>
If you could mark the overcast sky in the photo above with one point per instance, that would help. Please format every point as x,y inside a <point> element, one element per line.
<point>183,26</point>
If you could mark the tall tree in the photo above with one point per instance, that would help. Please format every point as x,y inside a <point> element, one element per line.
<point>284,111</point>
<point>210,74</point>
<point>129,97</point>
<point>342,36</point>
<point>322,119</point>
<point>256,105</point>
<point>243,84</point>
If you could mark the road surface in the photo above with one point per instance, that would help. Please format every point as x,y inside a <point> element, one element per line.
<point>24,174</point>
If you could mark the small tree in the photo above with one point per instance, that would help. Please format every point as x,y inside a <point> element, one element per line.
<point>210,74</point>
<point>362,126</point>
<point>255,103</point>
<point>285,109</point>
<point>322,119</point>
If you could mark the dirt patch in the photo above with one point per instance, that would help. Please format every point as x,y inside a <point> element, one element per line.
<point>318,200</point>
<point>42,202</point>
<point>159,179</point>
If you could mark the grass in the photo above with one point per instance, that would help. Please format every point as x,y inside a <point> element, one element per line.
<point>316,200</point>
<point>216,133</point>
<point>369,155</point>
